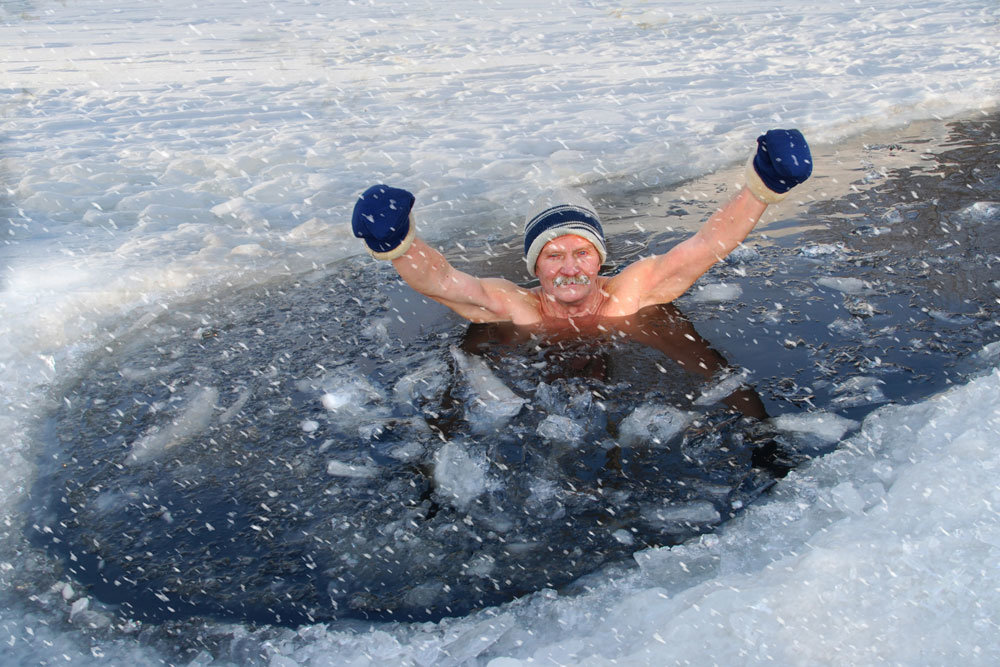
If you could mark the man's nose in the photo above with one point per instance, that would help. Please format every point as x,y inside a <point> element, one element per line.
<point>569,263</point>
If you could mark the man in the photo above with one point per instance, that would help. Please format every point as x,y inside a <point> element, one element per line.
<point>564,248</point>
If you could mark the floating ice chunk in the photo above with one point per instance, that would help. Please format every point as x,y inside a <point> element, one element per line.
<point>990,352</point>
<point>492,402</point>
<point>235,408</point>
<point>846,326</point>
<point>309,425</point>
<point>947,318</point>
<point>742,254</point>
<point>80,614</point>
<point>147,373</point>
<point>424,594</point>
<point>573,401</point>
<point>427,382</point>
<point>716,292</point>
<point>195,414</point>
<point>681,517</point>
<point>721,389</point>
<point>561,429</point>
<point>622,536</point>
<point>846,285</point>
<point>480,566</point>
<point>543,492</point>
<point>407,451</point>
<point>892,216</point>
<point>981,211</point>
<point>650,423</point>
<point>824,426</point>
<point>817,250</point>
<point>78,606</point>
<point>861,390</point>
<point>458,477</point>
<point>344,392</point>
<point>377,331</point>
<point>341,469</point>
<point>859,307</point>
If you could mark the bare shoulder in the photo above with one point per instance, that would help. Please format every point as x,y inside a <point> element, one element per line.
<point>648,281</point>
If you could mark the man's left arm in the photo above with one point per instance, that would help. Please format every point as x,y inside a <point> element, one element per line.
<point>782,161</point>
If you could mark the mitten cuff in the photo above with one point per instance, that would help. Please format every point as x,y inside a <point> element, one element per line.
<point>401,249</point>
<point>757,187</point>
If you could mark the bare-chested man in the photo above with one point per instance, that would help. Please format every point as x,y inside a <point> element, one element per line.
<point>564,248</point>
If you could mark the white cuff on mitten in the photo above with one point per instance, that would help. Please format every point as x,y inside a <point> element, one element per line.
<point>401,249</point>
<point>757,187</point>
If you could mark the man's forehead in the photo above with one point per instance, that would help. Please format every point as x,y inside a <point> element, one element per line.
<point>567,241</point>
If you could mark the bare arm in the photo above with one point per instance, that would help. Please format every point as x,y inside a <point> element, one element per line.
<point>478,299</point>
<point>663,278</point>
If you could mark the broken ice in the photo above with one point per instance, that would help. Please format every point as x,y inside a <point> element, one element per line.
<point>491,403</point>
<point>653,424</point>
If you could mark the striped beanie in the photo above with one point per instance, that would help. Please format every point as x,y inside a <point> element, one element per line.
<point>558,214</point>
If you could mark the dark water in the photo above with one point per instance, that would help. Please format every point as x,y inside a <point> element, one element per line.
<point>921,239</point>
<point>188,471</point>
<point>244,518</point>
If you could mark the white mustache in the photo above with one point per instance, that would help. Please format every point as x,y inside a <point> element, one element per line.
<point>582,279</point>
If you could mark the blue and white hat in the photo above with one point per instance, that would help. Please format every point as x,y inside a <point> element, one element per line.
<point>558,214</point>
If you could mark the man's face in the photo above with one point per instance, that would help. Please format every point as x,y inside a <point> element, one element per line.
<point>567,268</point>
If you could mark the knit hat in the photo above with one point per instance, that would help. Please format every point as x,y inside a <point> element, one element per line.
<point>558,214</point>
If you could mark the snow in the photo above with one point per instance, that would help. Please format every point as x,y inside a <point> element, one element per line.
<point>155,152</point>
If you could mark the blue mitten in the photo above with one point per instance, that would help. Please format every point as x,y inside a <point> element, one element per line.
<point>781,162</point>
<point>382,218</point>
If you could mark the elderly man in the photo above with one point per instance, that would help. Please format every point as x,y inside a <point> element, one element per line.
<point>564,248</point>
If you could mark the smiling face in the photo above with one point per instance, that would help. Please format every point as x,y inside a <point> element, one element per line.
<point>567,269</point>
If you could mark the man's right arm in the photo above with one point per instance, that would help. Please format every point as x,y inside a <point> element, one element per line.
<point>478,299</point>
<point>382,218</point>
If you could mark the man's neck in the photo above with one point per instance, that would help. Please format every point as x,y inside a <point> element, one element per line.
<point>551,309</point>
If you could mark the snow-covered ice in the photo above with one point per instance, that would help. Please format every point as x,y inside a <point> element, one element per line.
<point>156,152</point>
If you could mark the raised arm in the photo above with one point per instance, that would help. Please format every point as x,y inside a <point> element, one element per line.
<point>382,217</point>
<point>782,161</point>
<point>476,299</point>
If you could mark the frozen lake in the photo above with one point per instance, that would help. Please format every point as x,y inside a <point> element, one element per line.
<point>232,439</point>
